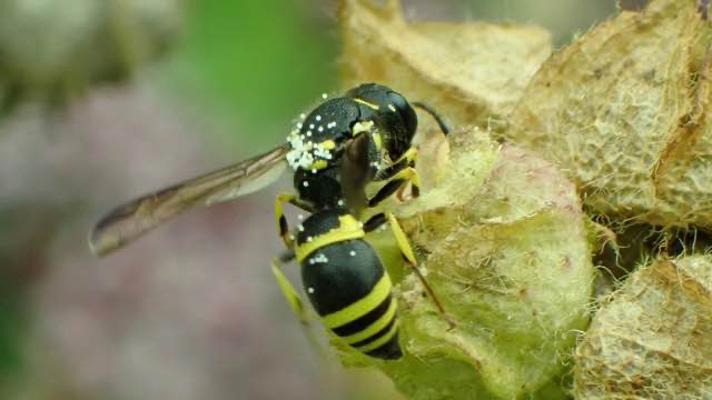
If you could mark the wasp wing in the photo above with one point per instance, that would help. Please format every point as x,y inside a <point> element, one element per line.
<point>356,173</point>
<point>131,220</point>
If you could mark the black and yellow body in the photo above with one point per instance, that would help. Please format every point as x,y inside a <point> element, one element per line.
<point>344,144</point>
<point>347,284</point>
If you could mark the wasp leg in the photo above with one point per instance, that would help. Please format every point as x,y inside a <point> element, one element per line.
<point>396,182</point>
<point>406,160</point>
<point>374,222</point>
<point>409,256</point>
<point>391,173</point>
<point>295,302</point>
<point>290,293</point>
<point>281,221</point>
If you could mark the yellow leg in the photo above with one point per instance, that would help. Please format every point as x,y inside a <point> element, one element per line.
<point>407,251</point>
<point>407,159</point>
<point>398,180</point>
<point>410,156</point>
<point>297,306</point>
<point>295,302</point>
<point>410,175</point>
<point>281,221</point>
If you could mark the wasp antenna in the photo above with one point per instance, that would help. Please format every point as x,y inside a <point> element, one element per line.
<point>441,123</point>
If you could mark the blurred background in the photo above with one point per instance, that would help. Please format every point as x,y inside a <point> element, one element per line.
<point>102,100</point>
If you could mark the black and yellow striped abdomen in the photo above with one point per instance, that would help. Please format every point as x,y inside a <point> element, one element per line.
<point>347,284</point>
<point>351,291</point>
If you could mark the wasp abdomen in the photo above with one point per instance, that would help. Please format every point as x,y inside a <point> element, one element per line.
<point>351,291</point>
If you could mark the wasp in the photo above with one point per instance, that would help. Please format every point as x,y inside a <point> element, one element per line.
<point>341,146</point>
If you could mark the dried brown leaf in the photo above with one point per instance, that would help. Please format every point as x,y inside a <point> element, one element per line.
<point>471,71</point>
<point>623,111</point>
<point>653,338</point>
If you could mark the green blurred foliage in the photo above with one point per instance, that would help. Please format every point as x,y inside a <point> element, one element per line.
<point>256,63</point>
<point>12,325</point>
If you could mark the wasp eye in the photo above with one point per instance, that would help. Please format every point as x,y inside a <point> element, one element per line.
<point>406,112</point>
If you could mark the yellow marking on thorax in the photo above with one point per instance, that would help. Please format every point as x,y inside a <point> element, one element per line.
<point>366,103</point>
<point>318,165</point>
<point>362,306</point>
<point>349,228</point>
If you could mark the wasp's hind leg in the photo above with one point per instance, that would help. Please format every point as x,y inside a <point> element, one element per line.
<point>281,221</point>
<point>295,301</point>
<point>290,293</point>
<point>409,256</point>
<point>288,290</point>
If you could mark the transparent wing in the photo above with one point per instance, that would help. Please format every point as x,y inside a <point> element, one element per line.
<point>355,172</point>
<point>131,220</point>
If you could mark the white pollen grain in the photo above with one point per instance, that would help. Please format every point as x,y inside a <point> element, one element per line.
<point>352,253</point>
<point>318,117</point>
<point>321,129</point>
<point>310,290</point>
<point>300,217</point>
<point>311,126</point>
<point>305,184</point>
<point>302,115</point>
<point>320,258</point>
<point>340,202</point>
<point>324,96</point>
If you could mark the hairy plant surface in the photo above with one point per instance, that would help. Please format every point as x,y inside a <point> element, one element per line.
<point>620,115</point>
<point>623,110</point>
<point>651,338</point>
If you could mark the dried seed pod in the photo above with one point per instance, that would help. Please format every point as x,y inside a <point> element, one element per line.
<point>653,337</point>
<point>623,111</point>
<point>502,239</point>
<point>478,70</point>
